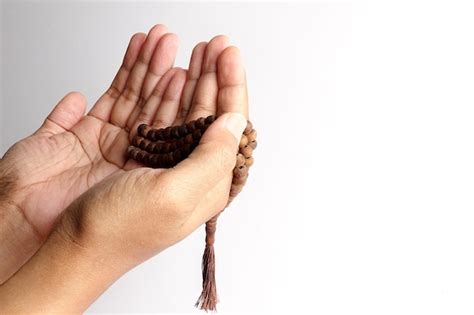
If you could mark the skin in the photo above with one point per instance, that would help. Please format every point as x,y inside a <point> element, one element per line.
<point>111,224</point>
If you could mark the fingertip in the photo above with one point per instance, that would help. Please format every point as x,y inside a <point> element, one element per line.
<point>213,50</point>
<point>158,28</point>
<point>221,38</point>
<point>75,95</point>
<point>171,39</point>
<point>230,67</point>
<point>138,37</point>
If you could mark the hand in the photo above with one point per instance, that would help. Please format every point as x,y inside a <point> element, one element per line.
<point>135,214</point>
<point>71,152</point>
<point>143,211</point>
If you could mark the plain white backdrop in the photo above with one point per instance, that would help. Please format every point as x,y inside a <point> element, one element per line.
<point>361,199</point>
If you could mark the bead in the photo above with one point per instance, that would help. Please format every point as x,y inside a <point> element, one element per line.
<point>166,147</point>
<point>150,146</point>
<point>182,131</point>
<point>197,135</point>
<point>177,157</point>
<point>139,156</point>
<point>175,132</point>
<point>248,128</point>
<point>253,144</point>
<point>243,141</point>
<point>167,133</point>
<point>247,151</point>
<point>172,146</point>
<point>188,139</point>
<point>210,119</point>
<point>239,181</point>
<point>154,160</point>
<point>252,136</point>
<point>191,126</point>
<point>186,150</point>
<point>240,161</point>
<point>249,161</point>
<point>240,172</point>
<point>158,147</point>
<point>141,129</point>
<point>135,140</point>
<point>179,143</point>
<point>200,123</point>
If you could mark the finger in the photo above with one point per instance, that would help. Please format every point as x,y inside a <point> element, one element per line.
<point>148,113</point>
<point>104,104</point>
<point>130,96</point>
<point>168,108</point>
<point>162,60</point>
<point>65,115</point>
<point>214,158</point>
<point>194,72</point>
<point>232,95</point>
<point>205,97</point>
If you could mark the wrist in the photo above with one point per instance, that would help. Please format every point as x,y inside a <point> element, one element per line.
<point>62,277</point>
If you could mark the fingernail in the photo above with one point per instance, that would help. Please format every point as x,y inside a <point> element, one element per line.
<point>235,123</point>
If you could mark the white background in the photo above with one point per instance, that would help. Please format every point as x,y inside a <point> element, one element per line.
<point>360,201</point>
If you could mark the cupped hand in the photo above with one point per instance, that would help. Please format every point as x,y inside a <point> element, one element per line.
<point>71,152</point>
<point>135,214</point>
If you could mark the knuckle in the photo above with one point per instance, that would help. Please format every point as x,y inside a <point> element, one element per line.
<point>130,95</point>
<point>113,92</point>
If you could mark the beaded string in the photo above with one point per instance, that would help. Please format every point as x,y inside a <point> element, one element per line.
<point>165,148</point>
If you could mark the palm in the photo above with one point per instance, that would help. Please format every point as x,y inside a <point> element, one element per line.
<point>70,152</point>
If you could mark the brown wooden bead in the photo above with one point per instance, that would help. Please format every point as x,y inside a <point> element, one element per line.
<point>249,161</point>
<point>150,146</point>
<point>175,132</point>
<point>182,131</point>
<point>188,139</point>
<point>240,172</point>
<point>167,133</point>
<point>239,181</point>
<point>243,141</point>
<point>200,123</point>
<point>210,119</point>
<point>253,144</point>
<point>172,146</point>
<point>177,157</point>
<point>248,128</point>
<point>154,160</point>
<point>197,135</point>
<point>247,151</point>
<point>252,136</point>
<point>141,129</point>
<point>191,126</point>
<point>166,147</point>
<point>240,160</point>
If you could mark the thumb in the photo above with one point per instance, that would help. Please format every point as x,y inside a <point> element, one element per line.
<point>65,115</point>
<point>214,158</point>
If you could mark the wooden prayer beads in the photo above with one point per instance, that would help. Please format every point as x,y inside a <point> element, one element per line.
<point>166,147</point>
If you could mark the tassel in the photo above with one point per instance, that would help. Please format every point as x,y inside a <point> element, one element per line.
<point>208,299</point>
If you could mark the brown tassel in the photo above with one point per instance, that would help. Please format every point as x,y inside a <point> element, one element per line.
<point>208,299</point>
